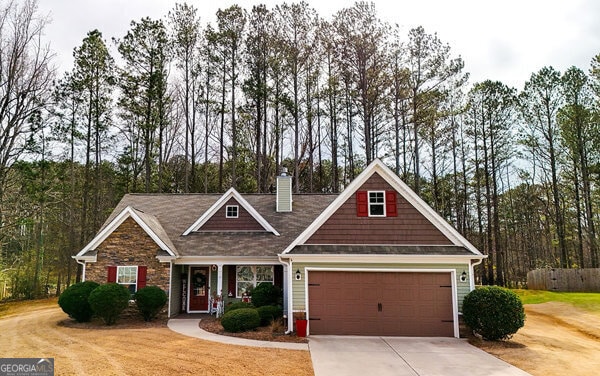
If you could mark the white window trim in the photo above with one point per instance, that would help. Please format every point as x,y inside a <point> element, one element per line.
<point>254,281</point>
<point>136,275</point>
<point>369,204</point>
<point>237,211</point>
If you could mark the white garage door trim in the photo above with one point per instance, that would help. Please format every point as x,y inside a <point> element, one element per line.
<point>452,280</point>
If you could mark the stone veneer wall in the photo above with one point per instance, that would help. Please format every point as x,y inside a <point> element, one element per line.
<point>129,245</point>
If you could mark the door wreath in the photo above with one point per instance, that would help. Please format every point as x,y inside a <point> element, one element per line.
<point>199,280</point>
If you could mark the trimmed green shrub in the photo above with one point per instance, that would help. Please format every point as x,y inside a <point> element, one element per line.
<point>150,300</point>
<point>269,313</point>
<point>493,312</point>
<point>266,294</point>
<point>240,320</point>
<point>238,305</point>
<point>74,301</point>
<point>108,301</point>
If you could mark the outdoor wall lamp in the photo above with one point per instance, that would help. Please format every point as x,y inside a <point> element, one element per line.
<point>463,276</point>
<point>298,275</point>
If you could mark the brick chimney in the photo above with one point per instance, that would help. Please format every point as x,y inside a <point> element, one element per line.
<point>284,192</point>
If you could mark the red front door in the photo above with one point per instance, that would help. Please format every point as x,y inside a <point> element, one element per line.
<point>198,289</point>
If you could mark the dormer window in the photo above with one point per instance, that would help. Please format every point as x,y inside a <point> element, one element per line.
<point>376,203</point>
<point>231,211</point>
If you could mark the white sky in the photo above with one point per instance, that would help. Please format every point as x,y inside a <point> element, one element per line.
<point>505,40</point>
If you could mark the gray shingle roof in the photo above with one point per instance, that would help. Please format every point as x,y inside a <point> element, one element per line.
<point>314,249</point>
<point>171,214</point>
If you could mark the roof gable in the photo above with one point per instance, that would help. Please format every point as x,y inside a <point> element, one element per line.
<point>221,203</point>
<point>377,167</point>
<point>147,222</point>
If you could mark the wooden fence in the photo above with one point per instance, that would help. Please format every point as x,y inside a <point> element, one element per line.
<point>571,280</point>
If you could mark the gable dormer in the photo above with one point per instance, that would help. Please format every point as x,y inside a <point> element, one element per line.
<point>231,213</point>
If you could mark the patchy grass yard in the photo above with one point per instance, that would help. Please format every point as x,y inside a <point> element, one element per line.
<point>41,329</point>
<point>561,335</point>
<point>585,300</point>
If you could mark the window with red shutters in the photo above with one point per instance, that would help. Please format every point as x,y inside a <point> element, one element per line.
<point>390,204</point>
<point>362,204</point>
<point>112,274</point>
<point>141,277</point>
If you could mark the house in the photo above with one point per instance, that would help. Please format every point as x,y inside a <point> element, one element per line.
<point>372,260</point>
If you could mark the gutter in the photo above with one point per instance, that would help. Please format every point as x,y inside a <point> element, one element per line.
<point>290,317</point>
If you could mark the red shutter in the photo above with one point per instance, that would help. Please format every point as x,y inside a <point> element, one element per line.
<point>390,204</point>
<point>112,274</point>
<point>362,204</point>
<point>278,276</point>
<point>141,277</point>
<point>231,280</point>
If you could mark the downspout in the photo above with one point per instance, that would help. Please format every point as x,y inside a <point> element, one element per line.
<point>290,317</point>
<point>472,274</point>
<point>170,287</point>
<point>82,263</point>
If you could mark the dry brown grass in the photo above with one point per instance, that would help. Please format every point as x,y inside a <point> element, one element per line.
<point>150,349</point>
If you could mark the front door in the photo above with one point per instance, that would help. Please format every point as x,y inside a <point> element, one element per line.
<point>198,289</point>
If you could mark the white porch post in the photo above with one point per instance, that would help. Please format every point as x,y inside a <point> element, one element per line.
<point>220,279</point>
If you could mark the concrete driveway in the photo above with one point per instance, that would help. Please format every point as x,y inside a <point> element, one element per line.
<point>399,356</point>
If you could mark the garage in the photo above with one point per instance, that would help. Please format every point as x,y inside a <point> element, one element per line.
<point>416,304</point>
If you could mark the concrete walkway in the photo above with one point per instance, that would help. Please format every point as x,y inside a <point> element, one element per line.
<point>381,356</point>
<point>190,328</point>
<point>400,356</point>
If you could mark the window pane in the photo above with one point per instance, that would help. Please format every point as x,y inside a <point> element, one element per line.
<point>244,287</point>
<point>376,197</point>
<point>232,211</point>
<point>376,209</point>
<point>245,274</point>
<point>264,274</point>
<point>127,275</point>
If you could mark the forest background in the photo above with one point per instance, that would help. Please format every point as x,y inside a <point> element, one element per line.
<point>180,106</point>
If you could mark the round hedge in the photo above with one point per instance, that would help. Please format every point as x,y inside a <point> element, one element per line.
<point>493,312</point>
<point>108,301</point>
<point>269,313</point>
<point>238,305</point>
<point>266,294</point>
<point>150,300</point>
<point>74,301</point>
<point>240,320</point>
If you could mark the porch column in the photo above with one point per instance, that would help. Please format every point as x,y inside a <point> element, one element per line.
<point>220,279</point>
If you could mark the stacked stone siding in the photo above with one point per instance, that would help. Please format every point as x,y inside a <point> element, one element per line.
<point>129,245</point>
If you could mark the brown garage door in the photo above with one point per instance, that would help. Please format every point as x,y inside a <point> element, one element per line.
<point>380,304</point>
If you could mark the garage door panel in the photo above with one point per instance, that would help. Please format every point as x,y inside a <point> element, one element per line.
<point>380,303</point>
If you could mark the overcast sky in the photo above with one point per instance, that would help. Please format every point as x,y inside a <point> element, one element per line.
<point>503,40</point>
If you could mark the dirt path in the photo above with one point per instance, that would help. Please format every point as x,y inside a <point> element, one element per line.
<point>145,351</point>
<point>557,339</point>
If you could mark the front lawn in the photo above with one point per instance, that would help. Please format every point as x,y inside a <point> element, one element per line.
<point>589,301</point>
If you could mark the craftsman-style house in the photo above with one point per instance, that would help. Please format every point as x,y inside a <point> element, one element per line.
<point>372,260</point>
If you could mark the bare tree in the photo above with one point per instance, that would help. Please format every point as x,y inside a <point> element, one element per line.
<point>25,80</point>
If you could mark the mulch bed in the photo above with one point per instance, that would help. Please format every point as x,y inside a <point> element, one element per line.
<point>275,332</point>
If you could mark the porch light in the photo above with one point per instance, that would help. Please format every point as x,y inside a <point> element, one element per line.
<point>298,275</point>
<point>463,276</point>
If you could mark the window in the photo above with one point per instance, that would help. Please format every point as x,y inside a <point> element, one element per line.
<point>231,211</point>
<point>248,277</point>
<point>127,276</point>
<point>377,204</point>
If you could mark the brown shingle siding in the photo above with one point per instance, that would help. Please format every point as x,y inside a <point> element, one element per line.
<point>244,222</point>
<point>409,227</point>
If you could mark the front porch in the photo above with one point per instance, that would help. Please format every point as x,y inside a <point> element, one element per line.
<point>195,287</point>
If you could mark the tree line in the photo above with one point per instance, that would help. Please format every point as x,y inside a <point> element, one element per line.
<point>195,107</point>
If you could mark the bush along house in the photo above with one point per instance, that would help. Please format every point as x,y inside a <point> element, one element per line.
<point>372,260</point>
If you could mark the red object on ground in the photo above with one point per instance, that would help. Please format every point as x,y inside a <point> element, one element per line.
<point>301,328</point>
